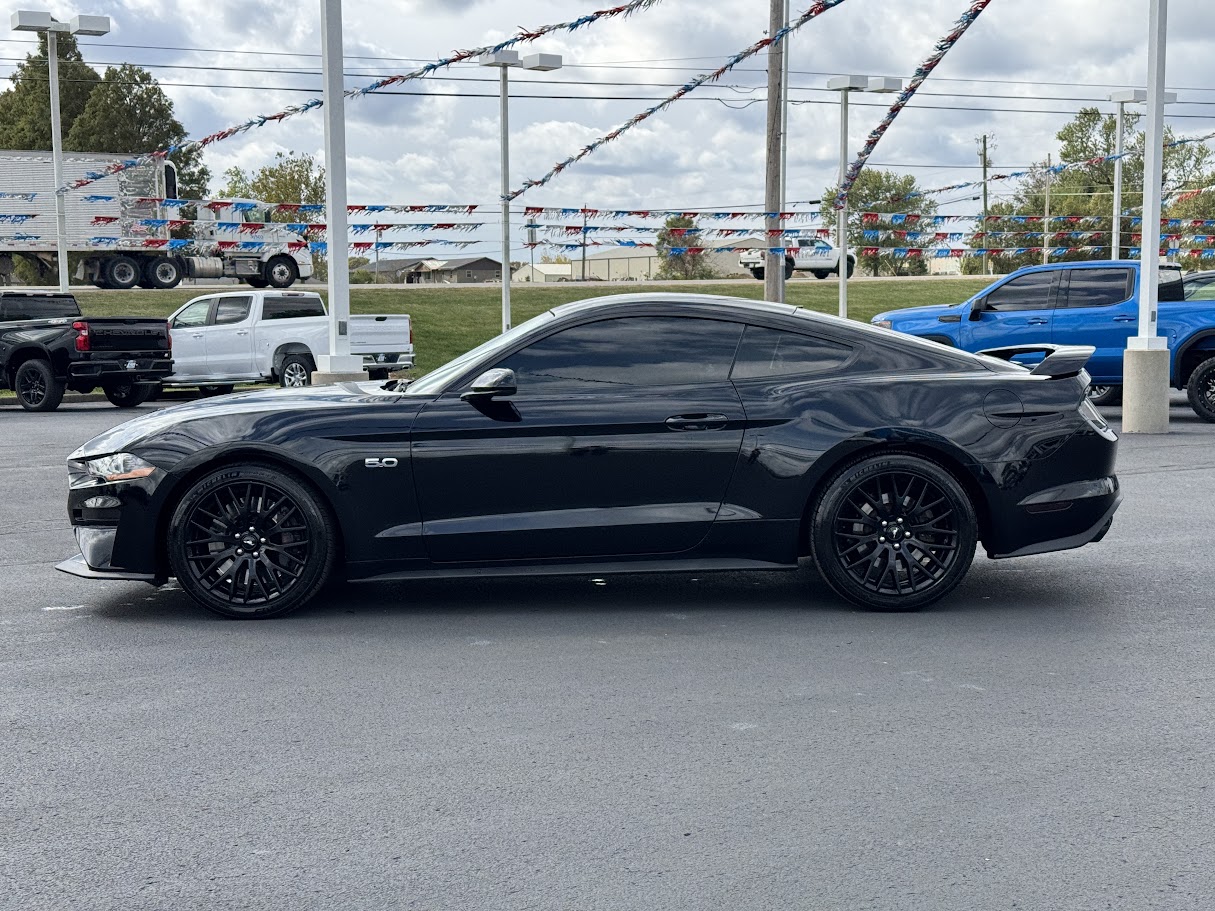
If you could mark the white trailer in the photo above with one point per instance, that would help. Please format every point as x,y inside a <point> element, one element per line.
<point>126,234</point>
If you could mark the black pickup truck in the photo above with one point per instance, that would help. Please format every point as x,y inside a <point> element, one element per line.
<point>48,347</point>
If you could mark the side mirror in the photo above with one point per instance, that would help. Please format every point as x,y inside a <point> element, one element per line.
<point>491,383</point>
<point>976,309</point>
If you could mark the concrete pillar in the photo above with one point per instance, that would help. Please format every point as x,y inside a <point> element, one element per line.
<point>1145,390</point>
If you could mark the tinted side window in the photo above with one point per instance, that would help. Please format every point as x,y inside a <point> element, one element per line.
<point>193,315</point>
<point>770,352</point>
<point>1029,292</point>
<point>291,307</point>
<point>1099,287</point>
<point>629,351</point>
<point>1202,289</point>
<point>19,307</point>
<point>231,310</point>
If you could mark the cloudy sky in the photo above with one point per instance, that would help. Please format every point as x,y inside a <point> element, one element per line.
<point>1019,74</point>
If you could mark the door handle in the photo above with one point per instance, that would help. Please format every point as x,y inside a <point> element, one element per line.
<point>697,422</point>
<point>242,331</point>
<point>197,335</point>
<point>1035,322</point>
<point>1124,319</point>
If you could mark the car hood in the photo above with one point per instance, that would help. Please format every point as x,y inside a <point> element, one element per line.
<point>930,310</point>
<point>247,405</point>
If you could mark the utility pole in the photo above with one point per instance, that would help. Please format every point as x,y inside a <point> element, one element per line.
<point>376,250</point>
<point>983,161</point>
<point>774,264</point>
<point>1046,220</point>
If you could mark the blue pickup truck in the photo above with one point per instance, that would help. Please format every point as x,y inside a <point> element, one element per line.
<point>1084,303</point>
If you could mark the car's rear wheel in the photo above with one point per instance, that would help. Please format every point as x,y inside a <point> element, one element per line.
<point>128,394</point>
<point>893,532</point>
<point>250,542</point>
<point>209,391</point>
<point>1201,390</point>
<point>296,371</point>
<point>1100,394</point>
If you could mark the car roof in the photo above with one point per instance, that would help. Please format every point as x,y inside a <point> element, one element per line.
<point>738,306</point>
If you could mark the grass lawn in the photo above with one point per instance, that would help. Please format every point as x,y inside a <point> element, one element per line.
<point>447,321</point>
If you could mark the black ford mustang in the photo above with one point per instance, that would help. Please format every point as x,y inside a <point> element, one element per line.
<point>633,433</point>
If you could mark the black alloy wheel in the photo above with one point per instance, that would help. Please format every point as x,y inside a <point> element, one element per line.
<point>1201,390</point>
<point>128,394</point>
<point>248,541</point>
<point>894,532</point>
<point>1101,394</point>
<point>36,386</point>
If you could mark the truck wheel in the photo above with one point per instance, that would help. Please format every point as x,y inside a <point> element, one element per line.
<point>162,272</point>
<point>256,282</point>
<point>296,371</point>
<point>121,272</point>
<point>36,386</point>
<point>1100,394</point>
<point>281,272</point>
<point>209,391</point>
<point>1201,390</point>
<point>758,274</point>
<point>851,268</point>
<point>820,274</point>
<point>128,395</point>
<point>788,269</point>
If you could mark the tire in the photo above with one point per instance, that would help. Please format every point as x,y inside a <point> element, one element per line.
<point>162,272</point>
<point>36,386</point>
<point>1101,394</point>
<point>128,395</point>
<point>121,272</point>
<point>758,274</point>
<point>296,371</point>
<point>377,373</point>
<point>850,270</point>
<point>928,510</point>
<point>820,275</point>
<point>1201,390</point>
<point>209,391</point>
<point>256,282</point>
<point>788,269</point>
<point>281,272</point>
<point>251,542</point>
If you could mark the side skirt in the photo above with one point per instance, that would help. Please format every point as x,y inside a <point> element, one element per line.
<point>582,569</point>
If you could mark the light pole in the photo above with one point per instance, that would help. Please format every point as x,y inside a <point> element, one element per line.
<point>1145,393</point>
<point>1122,98</point>
<point>504,60</point>
<point>37,21</point>
<point>846,85</point>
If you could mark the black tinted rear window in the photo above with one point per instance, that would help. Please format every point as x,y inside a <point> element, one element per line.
<point>770,352</point>
<point>1100,287</point>
<point>292,307</point>
<point>21,307</point>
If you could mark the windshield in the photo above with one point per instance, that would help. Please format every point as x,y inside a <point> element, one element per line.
<point>436,381</point>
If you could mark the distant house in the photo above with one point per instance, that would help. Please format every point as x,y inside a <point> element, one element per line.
<point>643,262</point>
<point>431,271</point>
<point>544,272</point>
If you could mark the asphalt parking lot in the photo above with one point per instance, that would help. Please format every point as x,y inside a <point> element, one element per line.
<point>1040,740</point>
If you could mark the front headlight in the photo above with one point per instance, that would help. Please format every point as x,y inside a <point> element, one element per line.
<point>883,324</point>
<point>121,466</point>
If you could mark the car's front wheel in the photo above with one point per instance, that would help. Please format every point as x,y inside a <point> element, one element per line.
<point>247,541</point>
<point>1201,390</point>
<point>893,532</point>
<point>128,394</point>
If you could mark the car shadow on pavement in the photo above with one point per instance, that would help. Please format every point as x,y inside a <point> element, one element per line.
<point>990,587</point>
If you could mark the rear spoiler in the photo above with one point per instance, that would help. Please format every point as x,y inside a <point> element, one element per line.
<point>1060,361</point>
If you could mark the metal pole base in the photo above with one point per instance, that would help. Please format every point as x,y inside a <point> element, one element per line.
<point>1145,390</point>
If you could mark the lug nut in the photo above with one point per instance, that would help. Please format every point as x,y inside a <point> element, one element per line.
<point>896,547</point>
<point>263,540</point>
<point>239,552</point>
<point>882,540</point>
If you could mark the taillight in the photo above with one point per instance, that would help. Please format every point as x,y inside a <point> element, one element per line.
<point>82,336</point>
<point>411,332</point>
<point>169,335</point>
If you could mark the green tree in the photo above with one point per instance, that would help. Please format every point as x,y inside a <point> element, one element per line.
<point>681,265</point>
<point>25,109</point>
<point>879,190</point>
<point>128,111</point>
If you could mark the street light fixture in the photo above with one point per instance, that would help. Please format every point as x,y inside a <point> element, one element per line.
<point>504,60</point>
<point>879,85</point>
<point>24,20</point>
<point>1122,98</point>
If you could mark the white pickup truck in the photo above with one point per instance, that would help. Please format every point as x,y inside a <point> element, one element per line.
<point>813,255</point>
<point>253,336</point>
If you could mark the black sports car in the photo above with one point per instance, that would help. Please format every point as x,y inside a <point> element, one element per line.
<point>634,433</point>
